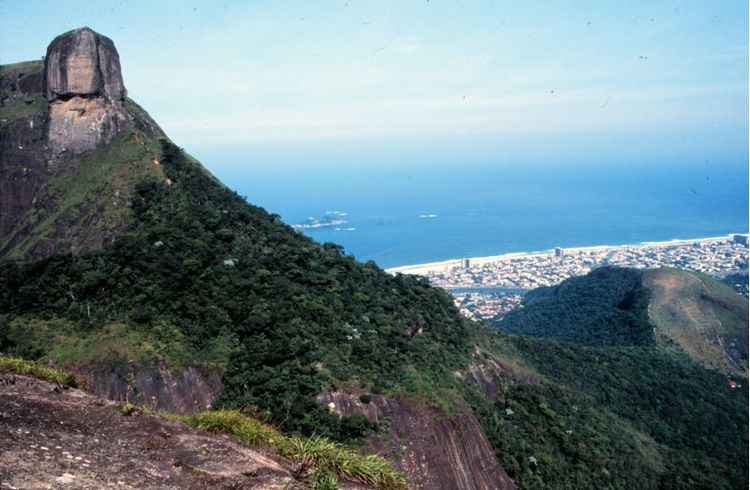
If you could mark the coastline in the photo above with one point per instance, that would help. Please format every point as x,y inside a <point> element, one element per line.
<point>449,263</point>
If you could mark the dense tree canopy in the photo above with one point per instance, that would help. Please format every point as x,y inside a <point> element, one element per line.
<point>284,316</point>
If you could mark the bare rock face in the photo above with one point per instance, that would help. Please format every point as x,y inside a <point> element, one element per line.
<point>52,438</point>
<point>182,391</point>
<point>83,62</point>
<point>436,451</point>
<point>83,85</point>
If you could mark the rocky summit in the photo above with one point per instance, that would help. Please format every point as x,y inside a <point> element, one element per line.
<point>83,63</point>
<point>83,85</point>
<point>66,129</point>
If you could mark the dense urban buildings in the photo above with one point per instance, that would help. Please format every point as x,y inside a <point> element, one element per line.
<point>486,287</point>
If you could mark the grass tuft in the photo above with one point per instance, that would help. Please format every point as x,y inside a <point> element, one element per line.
<point>323,460</point>
<point>323,480</point>
<point>128,409</point>
<point>15,365</point>
<point>247,429</point>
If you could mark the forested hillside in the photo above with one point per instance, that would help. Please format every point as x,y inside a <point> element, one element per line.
<point>698,314</point>
<point>605,307</point>
<point>617,417</point>
<point>201,276</point>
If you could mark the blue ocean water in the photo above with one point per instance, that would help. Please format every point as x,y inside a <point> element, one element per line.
<point>488,208</point>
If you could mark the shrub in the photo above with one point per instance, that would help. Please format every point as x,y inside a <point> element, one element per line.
<point>247,429</point>
<point>128,409</point>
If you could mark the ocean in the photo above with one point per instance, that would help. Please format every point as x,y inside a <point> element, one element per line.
<point>415,213</point>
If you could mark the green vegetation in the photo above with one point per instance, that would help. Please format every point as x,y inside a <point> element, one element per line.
<point>616,417</point>
<point>14,70</point>
<point>323,461</point>
<point>91,195</point>
<point>15,365</point>
<point>605,307</point>
<point>62,342</point>
<point>128,409</point>
<point>623,384</point>
<point>198,277</point>
<point>290,318</point>
<point>614,306</point>
<point>22,107</point>
<point>546,436</point>
<point>16,104</point>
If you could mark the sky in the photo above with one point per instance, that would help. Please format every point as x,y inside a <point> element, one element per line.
<point>431,79</point>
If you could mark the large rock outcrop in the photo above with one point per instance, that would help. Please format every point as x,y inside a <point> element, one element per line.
<point>83,85</point>
<point>65,122</point>
<point>83,62</point>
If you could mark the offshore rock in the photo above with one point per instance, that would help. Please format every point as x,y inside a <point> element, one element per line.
<point>83,85</point>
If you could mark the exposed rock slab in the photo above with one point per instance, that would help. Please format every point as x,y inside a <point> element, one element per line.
<point>435,451</point>
<point>52,438</point>
<point>493,375</point>
<point>83,62</point>
<point>182,391</point>
<point>80,124</point>
<point>23,174</point>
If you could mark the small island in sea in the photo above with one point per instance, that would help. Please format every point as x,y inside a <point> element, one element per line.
<point>328,220</point>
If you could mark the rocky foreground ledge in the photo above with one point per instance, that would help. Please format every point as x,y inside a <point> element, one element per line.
<point>52,437</point>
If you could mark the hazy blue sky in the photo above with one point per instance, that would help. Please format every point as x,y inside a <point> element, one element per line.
<point>536,77</point>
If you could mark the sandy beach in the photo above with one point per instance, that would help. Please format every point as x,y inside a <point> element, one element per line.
<point>450,263</point>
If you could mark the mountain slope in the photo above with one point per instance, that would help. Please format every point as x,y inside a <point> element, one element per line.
<point>128,263</point>
<point>249,294</point>
<point>57,201</point>
<point>613,417</point>
<point>614,306</point>
<point>704,317</point>
<point>131,264</point>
